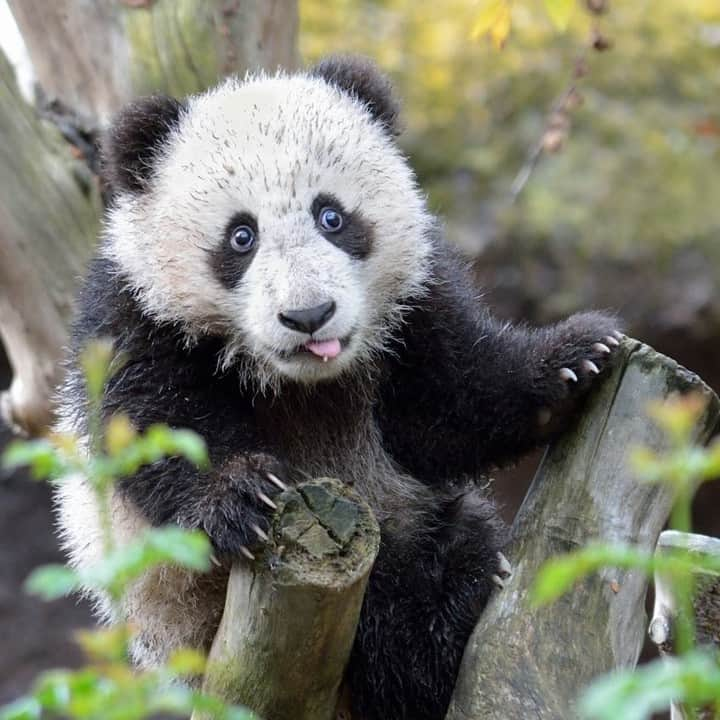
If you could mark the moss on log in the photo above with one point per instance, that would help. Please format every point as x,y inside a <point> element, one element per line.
<point>530,663</point>
<point>291,615</point>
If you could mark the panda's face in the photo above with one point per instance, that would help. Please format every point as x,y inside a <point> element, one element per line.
<point>281,215</point>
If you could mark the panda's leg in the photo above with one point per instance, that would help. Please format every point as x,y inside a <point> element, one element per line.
<point>424,597</point>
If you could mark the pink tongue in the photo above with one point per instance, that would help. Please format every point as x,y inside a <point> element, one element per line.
<point>324,349</point>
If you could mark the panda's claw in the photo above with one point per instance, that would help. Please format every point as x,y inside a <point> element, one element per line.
<point>568,375</point>
<point>214,560</point>
<point>497,580</point>
<point>276,481</point>
<point>504,566</point>
<point>260,532</point>
<point>617,334</point>
<point>265,499</point>
<point>246,553</point>
<point>601,348</point>
<point>591,367</point>
<point>610,340</point>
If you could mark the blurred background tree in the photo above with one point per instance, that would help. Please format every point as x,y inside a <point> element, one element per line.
<point>624,213</point>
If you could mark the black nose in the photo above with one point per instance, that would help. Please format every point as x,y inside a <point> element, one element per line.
<point>308,320</point>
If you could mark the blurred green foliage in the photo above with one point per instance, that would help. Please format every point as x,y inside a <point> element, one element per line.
<point>640,166</point>
<point>108,687</point>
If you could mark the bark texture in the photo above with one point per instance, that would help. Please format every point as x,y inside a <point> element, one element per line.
<point>95,55</point>
<point>530,663</point>
<point>290,617</point>
<point>49,210</point>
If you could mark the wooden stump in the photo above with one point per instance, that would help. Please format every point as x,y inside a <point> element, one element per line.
<point>290,617</point>
<point>525,663</point>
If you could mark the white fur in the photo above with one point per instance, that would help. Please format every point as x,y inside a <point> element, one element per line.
<point>268,146</point>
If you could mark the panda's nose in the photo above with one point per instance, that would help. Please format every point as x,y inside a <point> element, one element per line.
<point>308,320</point>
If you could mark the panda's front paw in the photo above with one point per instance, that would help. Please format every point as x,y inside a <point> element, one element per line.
<point>237,513</point>
<point>578,351</point>
<point>599,356</point>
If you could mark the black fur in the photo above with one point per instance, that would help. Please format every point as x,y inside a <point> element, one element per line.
<point>361,78</point>
<point>137,134</point>
<point>470,390</point>
<point>355,236</point>
<point>229,265</point>
<point>457,394</point>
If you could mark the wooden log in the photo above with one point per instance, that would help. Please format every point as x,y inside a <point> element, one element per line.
<point>95,55</point>
<point>526,663</point>
<point>706,604</point>
<point>49,213</point>
<point>290,617</point>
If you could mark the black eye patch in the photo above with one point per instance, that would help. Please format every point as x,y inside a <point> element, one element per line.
<point>227,263</point>
<point>354,235</point>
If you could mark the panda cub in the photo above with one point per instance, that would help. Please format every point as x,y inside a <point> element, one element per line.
<point>271,272</point>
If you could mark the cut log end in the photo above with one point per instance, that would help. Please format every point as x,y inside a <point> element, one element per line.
<point>291,615</point>
<point>322,535</point>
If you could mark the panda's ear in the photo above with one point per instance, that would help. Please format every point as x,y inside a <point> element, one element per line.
<point>132,144</point>
<point>360,77</point>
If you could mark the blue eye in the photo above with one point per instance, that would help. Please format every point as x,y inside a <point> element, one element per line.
<point>330,220</point>
<point>242,238</point>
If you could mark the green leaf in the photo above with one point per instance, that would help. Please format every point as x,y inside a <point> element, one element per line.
<point>23,709</point>
<point>187,662</point>
<point>494,19</point>
<point>157,443</point>
<point>559,574</point>
<point>52,581</point>
<point>216,709</point>
<point>560,12</point>
<point>119,434</point>
<point>636,694</point>
<point>106,644</point>
<point>167,545</point>
<point>41,456</point>
<point>95,360</point>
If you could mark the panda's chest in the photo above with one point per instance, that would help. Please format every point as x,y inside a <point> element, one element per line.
<point>323,433</point>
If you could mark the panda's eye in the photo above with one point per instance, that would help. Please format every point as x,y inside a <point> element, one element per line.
<point>330,220</point>
<point>242,238</point>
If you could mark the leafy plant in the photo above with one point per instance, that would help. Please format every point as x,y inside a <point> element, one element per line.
<point>108,687</point>
<point>693,677</point>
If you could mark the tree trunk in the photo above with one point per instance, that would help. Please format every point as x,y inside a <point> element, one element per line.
<point>49,210</point>
<point>290,617</point>
<point>93,56</point>
<point>533,663</point>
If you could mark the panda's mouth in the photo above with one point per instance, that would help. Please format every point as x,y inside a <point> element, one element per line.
<point>321,350</point>
<point>325,349</point>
